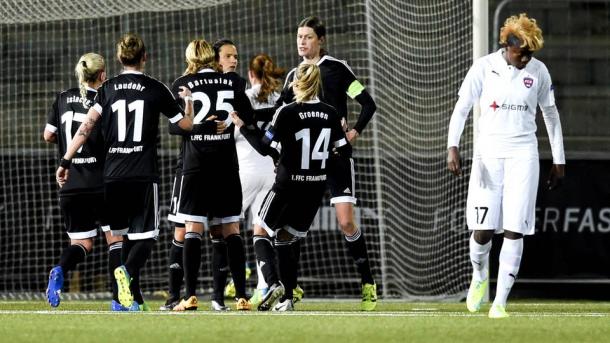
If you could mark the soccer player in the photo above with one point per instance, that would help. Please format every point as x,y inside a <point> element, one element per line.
<point>307,130</point>
<point>211,189</point>
<point>82,197</point>
<point>129,105</point>
<point>339,82</point>
<point>257,172</point>
<point>509,84</point>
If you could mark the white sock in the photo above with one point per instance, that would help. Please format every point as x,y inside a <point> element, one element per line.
<point>479,256</point>
<point>510,259</point>
<point>261,279</point>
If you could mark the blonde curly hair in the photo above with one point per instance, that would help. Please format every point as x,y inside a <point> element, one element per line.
<point>525,29</point>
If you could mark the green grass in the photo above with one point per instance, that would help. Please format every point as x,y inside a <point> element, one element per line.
<point>80,321</point>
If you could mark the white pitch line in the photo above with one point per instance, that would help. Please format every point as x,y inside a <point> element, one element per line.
<point>312,314</point>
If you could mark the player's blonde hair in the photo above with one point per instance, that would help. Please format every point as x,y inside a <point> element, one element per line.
<point>268,73</point>
<point>199,54</point>
<point>307,82</point>
<point>525,29</point>
<point>88,69</point>
<point>130,49</point>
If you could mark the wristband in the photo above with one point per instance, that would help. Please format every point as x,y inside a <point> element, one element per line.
<point>188,98</point>
<point>65,163</point>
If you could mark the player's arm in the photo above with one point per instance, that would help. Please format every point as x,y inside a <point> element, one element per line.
<point>367,108</point>
<point>469,92</point>
<point>50,131</point>
<point>550,114</point>
<point>84,131</point>
<point>261,141</point>
<point>186,122</point>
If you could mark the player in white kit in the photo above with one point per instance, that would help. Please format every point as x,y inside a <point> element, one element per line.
<point>508,84</point>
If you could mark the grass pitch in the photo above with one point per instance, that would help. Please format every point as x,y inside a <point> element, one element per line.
<point>313,321</point>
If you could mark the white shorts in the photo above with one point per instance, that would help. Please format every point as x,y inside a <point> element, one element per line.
<point>254,189</point>
<point>502,194</point>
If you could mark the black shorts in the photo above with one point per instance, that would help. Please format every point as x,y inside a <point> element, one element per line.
<point>83,214</point>
<point>133,209</point>
<point>211,196</point>
<point>291,209</point>
<point>173,203</point>
<point>341,179</point>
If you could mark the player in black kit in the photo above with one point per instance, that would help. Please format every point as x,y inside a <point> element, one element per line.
<point>211,189</point>
<point>82,197</point>
<point>129,105</point>
<point>307,131</point>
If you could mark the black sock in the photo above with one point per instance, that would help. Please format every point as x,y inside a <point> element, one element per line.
<point>114,260</point>
<point>296,253</point>
<point>71,256</point>
<point>287,266</point>
<point>220,269</point>
<point>357,248</point>
<point>265,255</point>
<point>139,251</point>
<point>191,262</point>
<point>237,263</point>
<point>176,272</point>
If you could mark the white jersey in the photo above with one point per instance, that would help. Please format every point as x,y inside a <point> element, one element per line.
<point>508,98</point>
<point>250,161</point>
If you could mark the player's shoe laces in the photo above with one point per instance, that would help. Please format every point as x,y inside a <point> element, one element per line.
<point>476,293</point>
<point>258,295</point>
<point>123,280</point>
<point>189,304</point>
<point>369,297</point>
<point>169,305</point>
<point>218,306</point>
<point>275,292</point>
<point>56,282</point>
<point>497,311</point>
<point>284,306</point>
<point>297,294</point>
<point>243,305</point>
<point>117,307</point>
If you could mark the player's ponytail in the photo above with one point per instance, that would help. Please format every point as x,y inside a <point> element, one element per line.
<point>307,83</point>
<point>130,50</point>
<point>199,54</point>
<point>87,70</point>
<point>268,73</point>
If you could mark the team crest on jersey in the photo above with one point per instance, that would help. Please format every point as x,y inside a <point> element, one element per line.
<point>528,82</point>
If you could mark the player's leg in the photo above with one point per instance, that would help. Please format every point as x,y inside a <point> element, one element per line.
<point>81,226</point>
<point>176,251</point>
<point>342,183</point>
<point>115,246</point>
<point>237,262</point>
<point>483,216</point>
<point>519,205</point>
<point>220,268</point>
<point>288,268</point>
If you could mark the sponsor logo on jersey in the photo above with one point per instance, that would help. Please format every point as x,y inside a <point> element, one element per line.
<point>528,82</point>
<point>509,107</point>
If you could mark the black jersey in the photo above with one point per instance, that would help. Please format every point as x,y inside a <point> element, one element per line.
<point>307,133</point>
<point>130,104</point>
<point>214,94</point>
<point>64,119</point>
<point>337,79</point>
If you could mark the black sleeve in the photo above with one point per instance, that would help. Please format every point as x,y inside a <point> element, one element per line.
<point>244,107</point>
<point>260,141</point>
<point>366,113</point>
<point>168,104</point>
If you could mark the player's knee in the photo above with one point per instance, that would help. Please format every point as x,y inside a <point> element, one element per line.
<point>483,236</point>
<point>179,233</point>
<point>110,239</point>
<point>284,236</point>
<point>87,244</point>
<point>347,226</point>
<point>512,235</point>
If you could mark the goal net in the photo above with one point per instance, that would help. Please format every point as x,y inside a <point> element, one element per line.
<point>411,55</point>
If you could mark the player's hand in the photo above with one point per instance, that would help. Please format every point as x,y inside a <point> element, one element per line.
<point>184,92</point>
<point>556,176</point>
<point>61,176</point>
<point>352,135</point>
<point>453,161</point>
<point>344,124</point>
<point>236,119</point>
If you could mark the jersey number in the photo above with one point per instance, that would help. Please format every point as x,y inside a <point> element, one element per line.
<point>320,149</point>
<point>482,217</point>
<point>68,117</point>
<point>138,107</point>
<point>206,104</point>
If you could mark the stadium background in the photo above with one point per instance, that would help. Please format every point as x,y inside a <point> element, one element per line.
<point>411,55</point>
